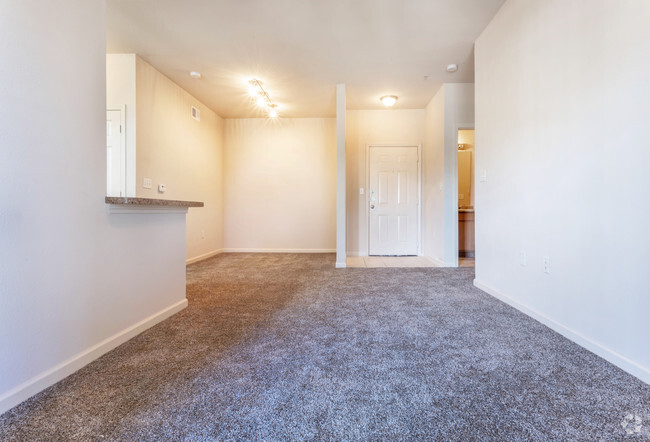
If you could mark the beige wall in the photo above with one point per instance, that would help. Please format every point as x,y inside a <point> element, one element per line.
<point>183,154</point>
<point>364,127</point>
<point>280,184</point>
<point>562,128</point>
<point>450,109</point>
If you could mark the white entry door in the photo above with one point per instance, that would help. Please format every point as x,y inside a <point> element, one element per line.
<point>115,155</point>
<point>393,198</point>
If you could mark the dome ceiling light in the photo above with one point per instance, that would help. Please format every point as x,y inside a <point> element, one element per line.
<point>388,100</point>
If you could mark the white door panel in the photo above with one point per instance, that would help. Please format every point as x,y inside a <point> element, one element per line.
<point>393,201</point>
<point>115,155</point>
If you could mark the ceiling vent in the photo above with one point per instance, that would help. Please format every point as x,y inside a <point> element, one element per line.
<point>196,114</point>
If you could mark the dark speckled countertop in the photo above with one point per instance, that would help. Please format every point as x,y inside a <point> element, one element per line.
<point>128,201</point>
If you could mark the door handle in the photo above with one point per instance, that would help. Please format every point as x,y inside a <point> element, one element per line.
<point>372,206</point>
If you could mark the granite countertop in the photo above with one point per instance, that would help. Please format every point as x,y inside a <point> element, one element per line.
<point>129,201</point>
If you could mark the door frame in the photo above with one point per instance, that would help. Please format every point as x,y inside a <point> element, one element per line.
<point>419,199</point>
<point>122,109</point>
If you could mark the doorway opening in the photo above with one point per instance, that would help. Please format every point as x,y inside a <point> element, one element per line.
<point>466,194</point>
<point>393,200</point>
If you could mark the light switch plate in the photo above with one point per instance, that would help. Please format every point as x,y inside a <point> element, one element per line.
<point>147,183</point>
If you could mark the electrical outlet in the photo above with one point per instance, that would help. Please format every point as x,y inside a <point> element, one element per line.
<point>361,191</point>
<point>547,264</point>
<point>147,183</point>
<point>522,258</point>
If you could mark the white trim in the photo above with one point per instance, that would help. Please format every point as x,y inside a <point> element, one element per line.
<point>367,212</point>
<point>121,209</point>
<point>639,371</point>
<point>203,256</point>
<point>50,377</point>
<point>340,265</point>
<point>247,250</point>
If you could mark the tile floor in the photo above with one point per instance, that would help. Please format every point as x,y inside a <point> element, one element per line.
<point>390,261</point>
<point>400,261</point>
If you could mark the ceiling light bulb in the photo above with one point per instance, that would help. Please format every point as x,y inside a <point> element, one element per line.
<point>261,102</point>
<point>273,113</point>
<point>452,68</point>
<point>195,75</point>
<point>388,100</point>
<point>253,91</point>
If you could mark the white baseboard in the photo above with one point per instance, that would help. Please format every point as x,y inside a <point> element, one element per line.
<point>202,257</point>
<point>340,265</point>
<point>50,377</point>
<point>244,250</point>
<point>639,371</point>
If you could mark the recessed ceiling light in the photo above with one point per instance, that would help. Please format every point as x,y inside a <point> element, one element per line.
<point>195,75</point>
<point>452,67</point>
<point>388,100</point>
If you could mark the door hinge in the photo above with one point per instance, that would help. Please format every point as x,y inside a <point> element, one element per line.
<point>120,128</point>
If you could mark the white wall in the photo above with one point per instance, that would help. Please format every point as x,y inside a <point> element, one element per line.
<point>450,109</point>
<point>120,91</point>
<point>74,280</point>
<point>364,127</point>
<point>341,191</point>
<point>183,154</point>
<point>433,171</point>
<point>280,184</point>
<point>562,97</point>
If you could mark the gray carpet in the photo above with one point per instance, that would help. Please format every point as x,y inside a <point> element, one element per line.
<point>285,347</point>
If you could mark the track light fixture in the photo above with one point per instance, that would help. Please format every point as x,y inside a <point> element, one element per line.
<point>273,111</point>
<point>256,90</point>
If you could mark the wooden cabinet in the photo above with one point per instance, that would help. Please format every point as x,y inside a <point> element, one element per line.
<point>466,234</point>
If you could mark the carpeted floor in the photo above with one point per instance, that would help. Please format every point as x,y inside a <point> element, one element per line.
<point>285,347</point>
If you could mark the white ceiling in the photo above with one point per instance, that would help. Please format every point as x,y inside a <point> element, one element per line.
<point>300,49</point>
